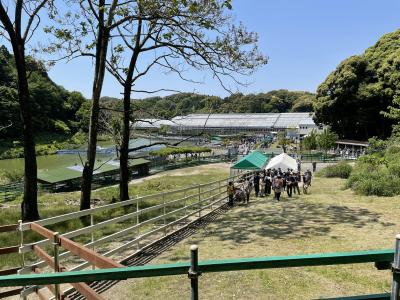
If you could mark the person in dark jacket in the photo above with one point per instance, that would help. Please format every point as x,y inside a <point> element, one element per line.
<point>297,178</point>
<point>256,181</point>
<point>268,182</point>
<point>230,190</point>
<point>290,184</point>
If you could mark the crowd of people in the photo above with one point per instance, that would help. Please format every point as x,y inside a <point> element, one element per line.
<point>270,181</point>
<point>349,153</point>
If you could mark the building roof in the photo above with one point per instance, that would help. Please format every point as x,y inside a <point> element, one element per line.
<point>352,143</point>
<point>250,120</point>
<point>253,161</point>
<point>62,174</point>
<point>145,143</point>
<point>282,161</point>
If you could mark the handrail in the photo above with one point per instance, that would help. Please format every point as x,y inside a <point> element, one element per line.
<point>77,214</point>
<point>29,247</point>
<point>88,229</point>
<point>8,228</point>
<point>209,266</point>
<point>194,195</point>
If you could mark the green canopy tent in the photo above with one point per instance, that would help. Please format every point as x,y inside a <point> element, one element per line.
<point>254,161</point>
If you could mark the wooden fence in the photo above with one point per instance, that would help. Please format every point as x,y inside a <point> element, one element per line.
<point>140,221</point>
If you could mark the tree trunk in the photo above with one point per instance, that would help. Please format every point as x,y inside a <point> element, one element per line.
<point>124,151</point>
<point>123,162</point>
<point>87,174</point>
<point>123,158</point>
<point>29,209</point>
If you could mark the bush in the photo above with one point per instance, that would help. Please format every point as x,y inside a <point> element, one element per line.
<point>377,173</point>
<point>61,127</point>
<point>341,170</point>
<point>9,176</point>
<point>371,179</point>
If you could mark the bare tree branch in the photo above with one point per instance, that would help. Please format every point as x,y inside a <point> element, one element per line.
<point>6,126</point>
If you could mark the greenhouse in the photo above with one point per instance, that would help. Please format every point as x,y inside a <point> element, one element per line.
<point>262,123</point>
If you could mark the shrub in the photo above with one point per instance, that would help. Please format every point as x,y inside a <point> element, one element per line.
<point>341,170</point>
<point>8,176</point>
<point>380,180</point>
<point>61,127</point>
<point>377,173</point>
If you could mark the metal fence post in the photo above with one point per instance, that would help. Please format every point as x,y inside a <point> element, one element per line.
<point>164,212</point>
<point>199,201</point>
<point>194,272</point>
<point>56,263</point>
<point>137,221</point>
<point>92,236</point>
<point>184,202</point>
<point>396,271</point>
<point>21,235</point>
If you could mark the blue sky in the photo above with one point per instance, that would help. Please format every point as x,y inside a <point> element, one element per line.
<point>304,40</point>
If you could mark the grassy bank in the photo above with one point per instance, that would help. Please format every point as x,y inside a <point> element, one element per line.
<point>56,204</point>
<point>46,144</point>
<point>329,219</point>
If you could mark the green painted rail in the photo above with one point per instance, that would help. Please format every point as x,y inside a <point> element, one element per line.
<point>204,267</point>
<point>384,296</point>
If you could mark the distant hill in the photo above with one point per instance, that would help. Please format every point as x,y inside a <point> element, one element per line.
<point>58,110</point>
<point>54,109</point>
<point>187,103</point>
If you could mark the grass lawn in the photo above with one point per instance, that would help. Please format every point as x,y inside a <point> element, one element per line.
<point>329,219</point>
<point>61,203</point>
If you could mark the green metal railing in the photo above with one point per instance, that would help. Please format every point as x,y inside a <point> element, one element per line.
<point>381,258</point>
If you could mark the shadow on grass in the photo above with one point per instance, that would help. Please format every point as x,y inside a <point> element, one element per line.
<point>286,219</point>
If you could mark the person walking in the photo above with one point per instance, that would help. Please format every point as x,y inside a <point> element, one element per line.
<point>297,179</point>
<point>268,183</point>
<point>230,191</point>
<point>314,166</point>
<point>289,185</point>
<point>278,186</point>
<point>298,161</point>
<point>262,186</point>
<point>247,189</point>
<point>256,184</point>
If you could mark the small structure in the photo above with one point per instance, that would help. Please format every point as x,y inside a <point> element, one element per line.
<point>282,161</point>
<point>68,178</point>
<point>254,161</point>
<point>352,144</point>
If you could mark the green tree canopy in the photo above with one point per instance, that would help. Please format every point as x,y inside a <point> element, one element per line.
<point>310,141</point>
<point>188,103</point>
<point>54,109</point>
<point>352,97</point>
<point>326,139</point>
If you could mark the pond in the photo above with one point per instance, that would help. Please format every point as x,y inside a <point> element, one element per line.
<point>48,161</point>
<point>66,160</point>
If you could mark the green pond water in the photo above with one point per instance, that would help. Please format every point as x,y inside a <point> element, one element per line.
<point>48,161</point>
<point>66,160</point>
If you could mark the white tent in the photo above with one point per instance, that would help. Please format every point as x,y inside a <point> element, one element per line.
<point>282,161</point>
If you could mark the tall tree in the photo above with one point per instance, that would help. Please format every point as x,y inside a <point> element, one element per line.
<point>87,33</point>
<point>19,22</point>
<point>177,34</point>
<point>326,140</point>
<point>283,141</point>
<point>309,142</point>
<point>352,97</point>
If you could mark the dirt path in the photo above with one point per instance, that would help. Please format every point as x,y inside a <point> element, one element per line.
<point>183,172</point>
<point>329,219</point>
